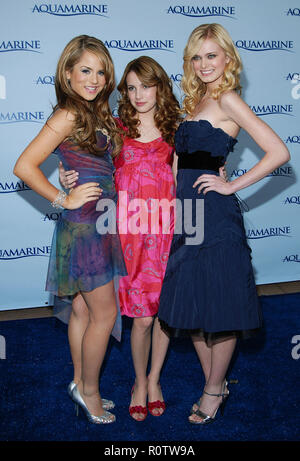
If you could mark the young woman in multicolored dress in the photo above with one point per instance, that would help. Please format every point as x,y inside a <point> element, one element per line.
<point>83,263</point>
<point>148,117</point>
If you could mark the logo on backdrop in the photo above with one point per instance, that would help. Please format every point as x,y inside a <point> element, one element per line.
<point>51,216</point>
<point>293,12</point>
<point>19,253</point>
<point>2,87</point>
<point>293,76</point>
<point>202,11</point>
<point>33,46</point>
<point>291,259</point>
<point>59,9</point>
<point>293,139</point>
<point>269,232</point>
<point>176,78</point>
<point>283,171</point>
<point>266,45</point>
<point>292,200</point>
<point>273,109</point>
<point>22,117</point>
<point>141,45</point>
<point>45,80</point>
<point>13,186</point>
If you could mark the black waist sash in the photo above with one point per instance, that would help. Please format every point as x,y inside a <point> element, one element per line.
<point>199,160</point>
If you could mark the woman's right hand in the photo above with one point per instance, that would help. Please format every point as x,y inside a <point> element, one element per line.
<point>82,194</point>
<point>67,178</point>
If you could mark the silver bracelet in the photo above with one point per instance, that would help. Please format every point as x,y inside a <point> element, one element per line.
<point>57,202</point>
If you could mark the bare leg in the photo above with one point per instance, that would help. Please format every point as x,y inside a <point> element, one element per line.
<point>160,344</point>
<point>140,348</point>
<point>77,325</point>
<point>102,315</point>
<point>204,353</point>
<point>221,354</point>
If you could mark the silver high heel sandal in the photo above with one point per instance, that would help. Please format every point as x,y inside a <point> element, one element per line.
<point>192,411</point>
<point>107,418</point>
<point>206,419</point>
<point>106,404</point>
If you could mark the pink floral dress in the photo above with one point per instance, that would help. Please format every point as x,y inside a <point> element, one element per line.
<point>143,178</point>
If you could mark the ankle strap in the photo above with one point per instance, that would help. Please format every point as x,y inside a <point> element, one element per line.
<point>215,395</point>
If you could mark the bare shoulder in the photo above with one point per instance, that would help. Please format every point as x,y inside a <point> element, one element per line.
<point>236,109</point>
<point>61,121</point>
<point>230,100</point>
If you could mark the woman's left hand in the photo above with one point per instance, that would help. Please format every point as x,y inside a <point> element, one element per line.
<point>67,178</point>
<point>211,182</point>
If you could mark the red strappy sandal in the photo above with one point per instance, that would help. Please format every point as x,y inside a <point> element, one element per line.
<point>156,406</point>
<point>137,409</point>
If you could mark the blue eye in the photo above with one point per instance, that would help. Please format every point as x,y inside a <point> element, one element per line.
<point>101,72</point>
<point>130,88</point>
<point>211,56</point>
<point>85,71</point>
<point>196,58</point>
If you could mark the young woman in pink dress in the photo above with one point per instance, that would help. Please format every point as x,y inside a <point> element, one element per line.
<point>149,114</point>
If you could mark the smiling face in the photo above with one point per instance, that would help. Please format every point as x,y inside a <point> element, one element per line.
<point>141,97</point>
<point>209,63</point>
<point>87,77</point>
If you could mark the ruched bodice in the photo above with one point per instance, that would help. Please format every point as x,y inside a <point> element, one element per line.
<point>91,168</point>
<point>195,135</point>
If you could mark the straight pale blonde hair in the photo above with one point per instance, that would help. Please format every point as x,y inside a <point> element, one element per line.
<point>192,86</point>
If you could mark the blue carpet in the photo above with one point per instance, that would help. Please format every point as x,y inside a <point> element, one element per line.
<point>263,405</point>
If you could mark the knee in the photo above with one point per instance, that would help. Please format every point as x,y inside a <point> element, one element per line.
<point>79,308</point>
<point>143,324</point>
<point>104,314</point>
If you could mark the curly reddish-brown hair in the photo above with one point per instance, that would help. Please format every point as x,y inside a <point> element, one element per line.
<point>167,114</point>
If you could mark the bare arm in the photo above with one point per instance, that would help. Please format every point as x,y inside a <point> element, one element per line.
<point>174,168</point>
<point>28,165</point>
<point>276,153</point>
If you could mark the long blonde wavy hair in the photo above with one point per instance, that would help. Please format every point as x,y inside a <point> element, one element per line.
<point>192,86</point>
<point>89,115</point>
<point>167,113</point>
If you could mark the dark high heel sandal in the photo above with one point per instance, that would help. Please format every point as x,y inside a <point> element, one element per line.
<point>206,419</point>
<point>192,411</point>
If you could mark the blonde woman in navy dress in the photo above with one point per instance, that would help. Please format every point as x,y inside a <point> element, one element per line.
<point>209,288</point>
<point>83,262</point>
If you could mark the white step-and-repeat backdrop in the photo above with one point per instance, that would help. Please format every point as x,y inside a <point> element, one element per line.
<point>32,36</point>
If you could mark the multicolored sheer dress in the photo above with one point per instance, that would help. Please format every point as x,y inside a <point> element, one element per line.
<point>82,258</point>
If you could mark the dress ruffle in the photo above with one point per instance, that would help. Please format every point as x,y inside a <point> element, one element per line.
<point>205,137</point>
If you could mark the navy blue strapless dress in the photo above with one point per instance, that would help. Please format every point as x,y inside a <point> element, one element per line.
<point>209,287</point>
